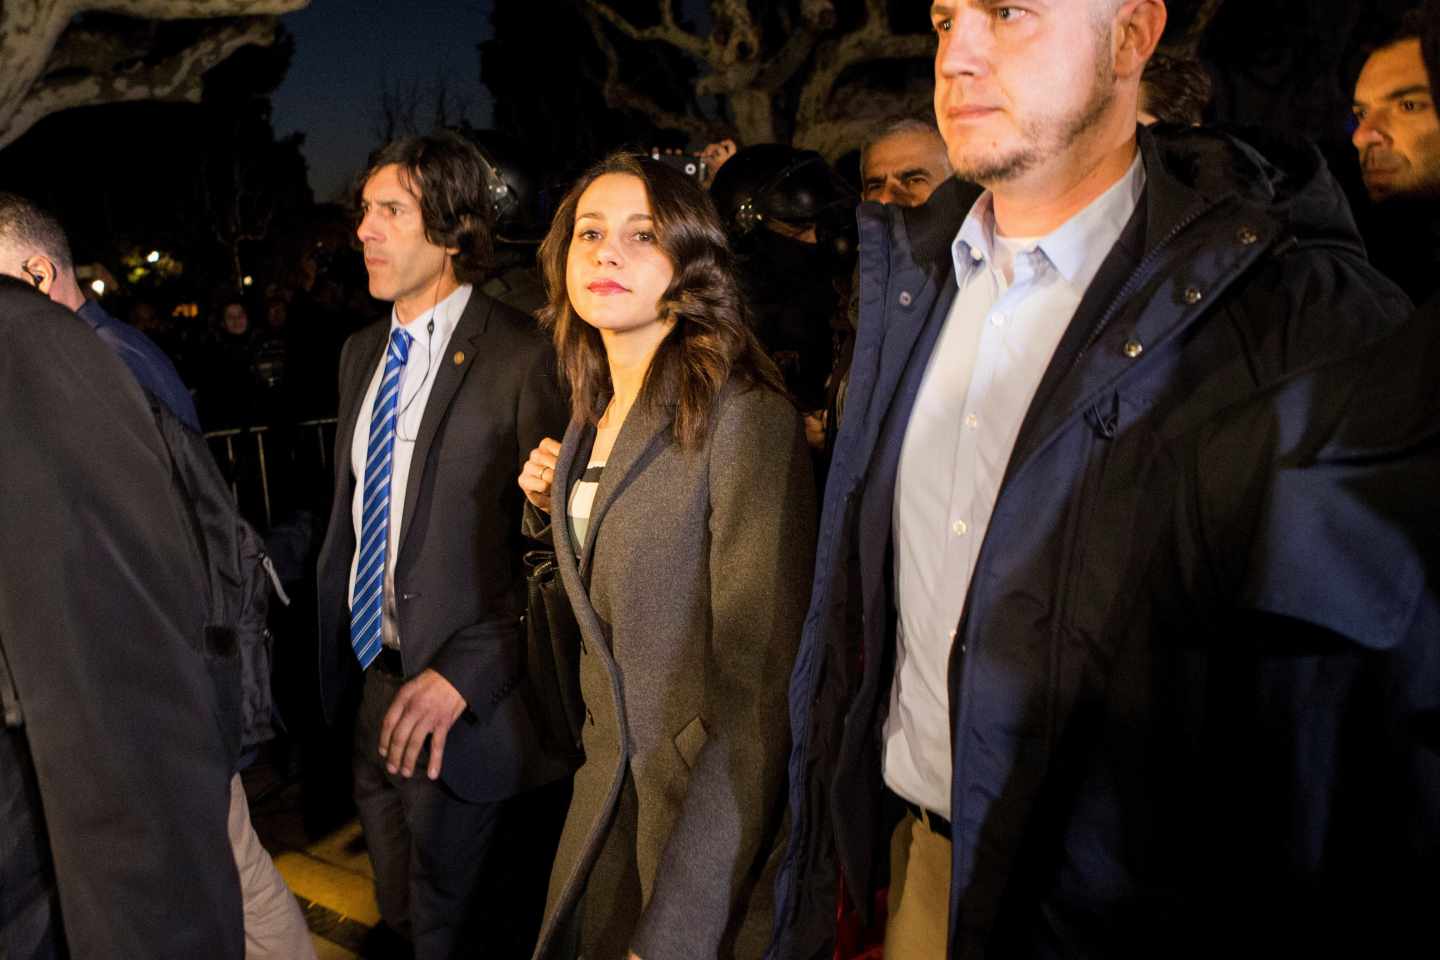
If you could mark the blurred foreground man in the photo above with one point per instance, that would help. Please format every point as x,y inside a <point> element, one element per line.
<point>34,248</point>
<point>421,584</point>
<point>1112,718</point>
<point>114,769</point>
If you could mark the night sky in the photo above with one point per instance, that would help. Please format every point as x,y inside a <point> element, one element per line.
<point>348,51</point>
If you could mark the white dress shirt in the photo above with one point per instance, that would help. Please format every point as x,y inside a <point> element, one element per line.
<point>1016,297</point>
<point>427,354</point>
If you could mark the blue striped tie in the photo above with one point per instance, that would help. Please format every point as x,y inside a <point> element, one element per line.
<point>367,602</point>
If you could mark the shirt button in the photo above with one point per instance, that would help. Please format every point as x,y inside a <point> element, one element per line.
<point>997,319</point>
<point>905,298</point>
<point>972,421</point>
<point>960,527</point>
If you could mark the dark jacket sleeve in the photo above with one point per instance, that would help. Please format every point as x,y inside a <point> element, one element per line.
<point>762,542</point>
<point>1316,544</point>
<point>1324,513</point>
<point>484,661</point>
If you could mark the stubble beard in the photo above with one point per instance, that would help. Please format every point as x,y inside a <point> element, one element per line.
<point>1046,136</point>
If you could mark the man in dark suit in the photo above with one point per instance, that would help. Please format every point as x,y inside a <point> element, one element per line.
<point>420,576</point>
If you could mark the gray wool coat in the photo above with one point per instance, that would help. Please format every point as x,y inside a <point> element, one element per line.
<point>689,594</point>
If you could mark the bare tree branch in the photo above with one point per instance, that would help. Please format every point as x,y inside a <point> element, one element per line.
<point>46,70</point>
<point>736,64</point>
<point>843,131</point>
<point>872,42</point>
<point>622,96</point>
<point>175,79</point>
<point>187,9</point>
<point>29,30</point>
<point>667,32</point>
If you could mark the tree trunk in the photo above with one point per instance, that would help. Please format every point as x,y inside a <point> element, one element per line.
<point>754,112</point>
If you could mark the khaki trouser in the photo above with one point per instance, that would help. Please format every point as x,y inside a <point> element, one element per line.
<point>919,904</point>
<point>274,926</point>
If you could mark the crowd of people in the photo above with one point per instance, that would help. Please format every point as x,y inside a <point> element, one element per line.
<point>1037,560</point>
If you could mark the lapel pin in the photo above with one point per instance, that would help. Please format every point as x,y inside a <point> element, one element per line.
<point>459,357</point>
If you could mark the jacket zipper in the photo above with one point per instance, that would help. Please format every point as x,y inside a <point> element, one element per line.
<point>1141,273</point>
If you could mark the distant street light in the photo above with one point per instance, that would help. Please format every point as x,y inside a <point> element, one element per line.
<point>248,281</point>
<point>154,257</point>
<point>99,287</point>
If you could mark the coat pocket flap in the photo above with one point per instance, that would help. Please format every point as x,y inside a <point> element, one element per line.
<point>690,740</point>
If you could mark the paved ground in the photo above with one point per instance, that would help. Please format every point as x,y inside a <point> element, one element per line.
<point>331,876</point>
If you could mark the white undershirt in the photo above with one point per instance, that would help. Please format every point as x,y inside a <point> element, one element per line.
<point>427,354</point>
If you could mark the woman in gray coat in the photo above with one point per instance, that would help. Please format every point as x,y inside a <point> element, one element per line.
<point>683,516</point>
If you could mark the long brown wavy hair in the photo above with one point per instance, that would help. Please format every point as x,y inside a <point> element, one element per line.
<point>711,341</point>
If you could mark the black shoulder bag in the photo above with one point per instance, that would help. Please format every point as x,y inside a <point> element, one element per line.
<point>553,650</point>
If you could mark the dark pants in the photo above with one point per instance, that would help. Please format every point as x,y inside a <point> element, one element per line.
<point>29,904</point>
<point>460,879</point>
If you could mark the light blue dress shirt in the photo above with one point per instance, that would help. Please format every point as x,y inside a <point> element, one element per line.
<point>1016,297</point>
<point>427,355</point>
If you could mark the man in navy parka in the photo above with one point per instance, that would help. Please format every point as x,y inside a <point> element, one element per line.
<point>1188,705</point>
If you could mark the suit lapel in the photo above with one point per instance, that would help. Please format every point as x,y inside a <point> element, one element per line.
<point>643,435</point>
<point>365,358</point>
<point>448,378</point>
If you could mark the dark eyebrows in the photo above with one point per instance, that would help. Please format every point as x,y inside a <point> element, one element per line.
<point>1409,91</point>
<point>596,215</point>
<point>1394,95</point>
<point>915,172</point>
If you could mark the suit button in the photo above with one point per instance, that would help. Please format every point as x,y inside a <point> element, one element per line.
<point>1193,295</point>
<point>1133,348</point>
<point>1246,236</point>
<point>905,298</point>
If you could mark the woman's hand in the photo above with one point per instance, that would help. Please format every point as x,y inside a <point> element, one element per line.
<point>539,473</point>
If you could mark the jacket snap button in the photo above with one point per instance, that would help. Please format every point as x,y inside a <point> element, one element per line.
<point>1192,295</point>
<point>905,298</point>
<point>1133,348</point>
<point>1246,236</point>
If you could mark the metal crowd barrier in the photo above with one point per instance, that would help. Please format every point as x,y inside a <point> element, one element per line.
<point>242,456</point>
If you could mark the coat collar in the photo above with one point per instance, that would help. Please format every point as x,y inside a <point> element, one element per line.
<point>644,434</point>
<point>1163,275</point>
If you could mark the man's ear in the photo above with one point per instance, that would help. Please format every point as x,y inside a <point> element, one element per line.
<point>40,270</point>
<point>1138,28</point>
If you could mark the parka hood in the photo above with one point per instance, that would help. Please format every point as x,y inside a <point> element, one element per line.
<point>1282,175</point>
